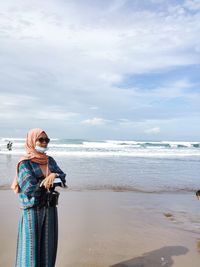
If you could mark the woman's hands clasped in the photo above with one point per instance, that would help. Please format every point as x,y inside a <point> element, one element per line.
<point>48,181</point>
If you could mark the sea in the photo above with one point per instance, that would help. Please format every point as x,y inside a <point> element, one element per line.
<point>117,165</point>
<point>166,171</point>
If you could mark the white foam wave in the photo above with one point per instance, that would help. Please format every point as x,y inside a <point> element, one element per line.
<point>148,153</point>
<point>6,139</point>
<point>111,148</point>
<point>55,142</point>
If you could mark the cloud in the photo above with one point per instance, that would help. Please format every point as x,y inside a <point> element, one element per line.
<point>95,121</point>
<point>15,106</point>
<point>155,130</point>
<point>94,108</point>
<point>193,5</point>
<point>66,61</point>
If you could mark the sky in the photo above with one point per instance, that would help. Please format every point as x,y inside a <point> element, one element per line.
<point>101,69</point>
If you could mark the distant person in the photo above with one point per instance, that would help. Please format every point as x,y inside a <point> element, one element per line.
<point>198,194</point>
<point>9,145</point>
<point>35,183</point>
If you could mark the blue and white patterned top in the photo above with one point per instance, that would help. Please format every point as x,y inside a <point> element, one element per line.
<point>30,176</point>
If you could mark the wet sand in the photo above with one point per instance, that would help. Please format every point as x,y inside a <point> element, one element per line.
<point>103,228</point>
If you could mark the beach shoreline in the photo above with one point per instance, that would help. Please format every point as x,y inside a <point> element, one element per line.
<point>100,228</point>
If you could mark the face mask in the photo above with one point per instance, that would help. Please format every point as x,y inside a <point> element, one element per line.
<point>41,149</point>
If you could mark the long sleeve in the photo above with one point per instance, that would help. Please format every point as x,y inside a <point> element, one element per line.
<point>27,181</point>
<point>55,168</point>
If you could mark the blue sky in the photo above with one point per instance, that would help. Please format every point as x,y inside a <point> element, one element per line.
<point>114,69</point>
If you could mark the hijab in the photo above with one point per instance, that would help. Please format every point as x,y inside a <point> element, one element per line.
<point>31,154</point>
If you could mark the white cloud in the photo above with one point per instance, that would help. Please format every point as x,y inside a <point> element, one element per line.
<point>193,5</point>
<point>15,106</point>
<point>154,130</point>
<point>66,60</point>
<point>94,108</point>
<point>109,49</point>
<point>95,121</point>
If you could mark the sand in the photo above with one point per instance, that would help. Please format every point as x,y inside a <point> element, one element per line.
<point>103,228</point>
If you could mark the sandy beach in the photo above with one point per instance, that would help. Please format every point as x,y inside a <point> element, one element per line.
<point>104,228</point>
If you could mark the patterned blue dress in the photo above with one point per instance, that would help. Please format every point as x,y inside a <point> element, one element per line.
<point>38,225</point>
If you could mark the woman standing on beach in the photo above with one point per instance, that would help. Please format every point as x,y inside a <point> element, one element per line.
<point>38,224</point>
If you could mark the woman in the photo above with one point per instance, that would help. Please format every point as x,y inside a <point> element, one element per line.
<point>38,224</point>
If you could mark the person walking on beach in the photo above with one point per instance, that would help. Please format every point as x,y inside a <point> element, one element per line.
<point>35,183</point>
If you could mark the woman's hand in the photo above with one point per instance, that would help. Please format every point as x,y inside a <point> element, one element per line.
<point>48,181</point>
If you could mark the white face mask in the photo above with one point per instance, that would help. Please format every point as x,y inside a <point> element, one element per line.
<point>41,149</point>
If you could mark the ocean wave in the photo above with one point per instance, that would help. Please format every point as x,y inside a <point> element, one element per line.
<point>146,154</point>
<point>132,189</point>
<point>6,139</point>
<point>120,188</point>
<point>88,148</point>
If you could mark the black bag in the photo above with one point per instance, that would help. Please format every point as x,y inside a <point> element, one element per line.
<point>53,198</point>
<point>46,198</point>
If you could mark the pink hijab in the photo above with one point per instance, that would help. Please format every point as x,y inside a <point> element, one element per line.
<point>31,154</point>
